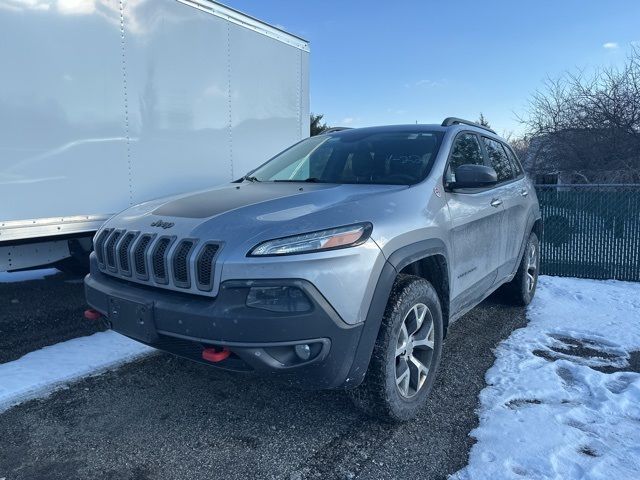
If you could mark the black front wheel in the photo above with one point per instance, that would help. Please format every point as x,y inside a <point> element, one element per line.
<point>406,354</point>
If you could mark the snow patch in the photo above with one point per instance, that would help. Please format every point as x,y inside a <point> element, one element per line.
<point>40,372</point>
<point>562,400</point>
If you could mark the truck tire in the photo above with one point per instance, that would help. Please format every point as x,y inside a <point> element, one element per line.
<point>406,353</point>
<point>522,288</point>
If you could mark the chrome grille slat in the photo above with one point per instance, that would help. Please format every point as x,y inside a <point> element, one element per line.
<point>99,244</point>
<point>110,250</point>
<point>204,265</point>
<point>180,263</point>
<point>161,261</point>
<point>123,251</point>
<point>140,254</point>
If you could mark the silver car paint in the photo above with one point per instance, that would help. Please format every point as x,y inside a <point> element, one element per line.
<point>475,234</point>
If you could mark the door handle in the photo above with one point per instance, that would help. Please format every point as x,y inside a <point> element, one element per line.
<point>524,192</point>
<point>496,202</point>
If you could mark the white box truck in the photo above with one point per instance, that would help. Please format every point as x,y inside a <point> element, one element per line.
<point>107,103</point>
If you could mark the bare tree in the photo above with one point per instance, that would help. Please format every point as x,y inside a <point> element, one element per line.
<point>519,144</point>
<point>585,128</point>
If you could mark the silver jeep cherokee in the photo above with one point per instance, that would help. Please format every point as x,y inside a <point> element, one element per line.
<point>339,263</point>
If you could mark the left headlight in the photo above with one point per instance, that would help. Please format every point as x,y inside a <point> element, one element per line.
<point>339,237</point>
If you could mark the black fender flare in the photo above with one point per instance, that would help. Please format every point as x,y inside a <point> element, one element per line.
<point>531,221</point>
<point>394,264</point>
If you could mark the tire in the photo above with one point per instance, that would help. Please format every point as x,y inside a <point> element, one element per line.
<point>522,288</point>
<point>387,392</point>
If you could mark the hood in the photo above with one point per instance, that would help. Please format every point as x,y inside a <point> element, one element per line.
<point>243,212</point>
<point>214,202</point>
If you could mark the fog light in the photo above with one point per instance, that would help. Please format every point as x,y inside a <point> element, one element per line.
<point>303,351</point>
<point>278,299</point>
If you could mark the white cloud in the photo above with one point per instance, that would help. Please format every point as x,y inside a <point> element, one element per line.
<point>25,5</point>
<point>76,7</point>
<point>347,120</point>
<point>610,45</point>
<point>426,83</point>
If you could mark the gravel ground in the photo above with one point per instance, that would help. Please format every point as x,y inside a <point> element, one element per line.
<point>38,313</point>
<point>168,418</point>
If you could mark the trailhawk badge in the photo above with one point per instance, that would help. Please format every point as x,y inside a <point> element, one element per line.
<point>162,224</point>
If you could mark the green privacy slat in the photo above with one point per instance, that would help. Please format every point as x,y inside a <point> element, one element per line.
<point>590,231</point>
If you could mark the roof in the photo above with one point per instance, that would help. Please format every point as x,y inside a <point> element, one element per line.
<point>413,128</point>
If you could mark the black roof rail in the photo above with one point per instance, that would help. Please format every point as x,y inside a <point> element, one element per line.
<point>335,129</point>
<point>457,121</point>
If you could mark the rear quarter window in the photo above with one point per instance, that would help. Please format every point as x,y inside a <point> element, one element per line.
<point>515,163</point>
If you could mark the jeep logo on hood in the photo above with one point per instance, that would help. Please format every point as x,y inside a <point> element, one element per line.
<point>162,224</point>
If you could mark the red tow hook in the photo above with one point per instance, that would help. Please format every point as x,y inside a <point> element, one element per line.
<point>91,314</point>
<point>215,355</point>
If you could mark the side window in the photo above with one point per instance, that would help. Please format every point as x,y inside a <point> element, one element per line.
<point>465,151</point>
<point>517,168</point>
<point>498,159</point>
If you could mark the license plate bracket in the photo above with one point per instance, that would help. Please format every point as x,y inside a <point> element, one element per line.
<point>133,319</point>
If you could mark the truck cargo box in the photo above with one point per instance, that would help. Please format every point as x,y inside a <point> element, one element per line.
<point>104,104</point>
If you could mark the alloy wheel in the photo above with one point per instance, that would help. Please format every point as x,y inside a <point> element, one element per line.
<point>532,267</point>
<point>414,350</point>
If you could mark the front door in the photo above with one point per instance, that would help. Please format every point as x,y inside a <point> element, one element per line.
<point>476,223</point>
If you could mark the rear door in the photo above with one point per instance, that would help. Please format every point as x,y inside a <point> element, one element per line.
<point>521,204</point>
<point>511,191</point>
<point>476,223</point>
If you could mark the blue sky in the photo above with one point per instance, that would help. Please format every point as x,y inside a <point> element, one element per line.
<point>378,62</point>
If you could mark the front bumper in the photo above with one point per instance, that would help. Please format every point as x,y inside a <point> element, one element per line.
<point>259,340</point>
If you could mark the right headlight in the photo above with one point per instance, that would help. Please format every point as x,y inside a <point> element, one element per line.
<point>330,239</point>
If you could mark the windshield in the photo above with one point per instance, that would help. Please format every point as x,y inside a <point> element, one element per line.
<point>397,158</point>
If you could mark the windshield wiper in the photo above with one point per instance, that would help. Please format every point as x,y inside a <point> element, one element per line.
<point>250,178</point>
<point>308,180</point>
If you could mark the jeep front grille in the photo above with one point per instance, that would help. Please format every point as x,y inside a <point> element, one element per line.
<point>110,249</point>
<point>162,261</point>
<point>205,265</point>
<point>139,256</point>
<point>159,257</point>
<point>123,252</point>
<point>181,263</point>
<point>99,244</point>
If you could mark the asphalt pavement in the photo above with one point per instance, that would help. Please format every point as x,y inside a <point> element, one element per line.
<point>37,313</point>
<point>168,418</point>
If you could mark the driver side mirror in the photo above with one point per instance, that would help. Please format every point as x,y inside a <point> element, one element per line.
<point>474,176</point>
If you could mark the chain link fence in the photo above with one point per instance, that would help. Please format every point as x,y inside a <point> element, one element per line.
<point>590,231</point>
